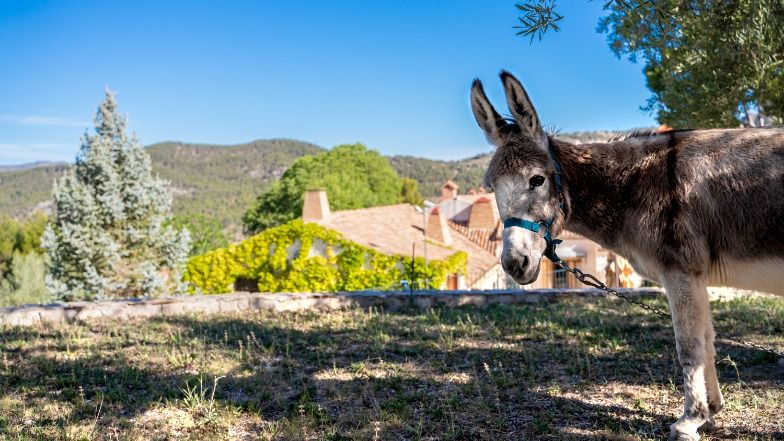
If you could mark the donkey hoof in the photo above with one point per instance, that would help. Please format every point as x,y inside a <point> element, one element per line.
<point>682,436</point>
<point>715,408</point>
<point>709,425</point>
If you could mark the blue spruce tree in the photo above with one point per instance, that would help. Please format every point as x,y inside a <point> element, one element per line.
<point>107,237</point>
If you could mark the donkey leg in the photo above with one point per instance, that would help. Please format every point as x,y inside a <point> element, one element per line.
<point>715,400</point>
<point>688,298</point>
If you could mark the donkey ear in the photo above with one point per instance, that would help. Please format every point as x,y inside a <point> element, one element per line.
<point>488,119</point>
<point>521,107</point>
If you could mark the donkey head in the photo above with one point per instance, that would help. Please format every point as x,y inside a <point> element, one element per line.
<point>521,173</point>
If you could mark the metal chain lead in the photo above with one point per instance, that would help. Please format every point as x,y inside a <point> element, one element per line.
<point>591,280</point>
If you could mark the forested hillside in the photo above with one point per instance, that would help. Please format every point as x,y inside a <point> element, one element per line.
<point>467,173</point>
<point>25,189</point>
<point>221,182</point>
<point>431,174</point>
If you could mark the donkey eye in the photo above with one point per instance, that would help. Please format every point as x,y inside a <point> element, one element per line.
<point>536,181</point>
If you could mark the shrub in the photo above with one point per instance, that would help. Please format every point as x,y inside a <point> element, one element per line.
<point>299,257</point>
<point>20,237</point>
<point>206,233</point>
<point>24,282</point>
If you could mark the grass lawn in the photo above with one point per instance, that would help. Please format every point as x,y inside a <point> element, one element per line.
<point>582,369</point>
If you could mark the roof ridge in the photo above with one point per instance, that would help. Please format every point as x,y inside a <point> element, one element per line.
<point>373,208</point>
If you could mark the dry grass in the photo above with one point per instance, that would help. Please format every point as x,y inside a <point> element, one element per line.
<point>578,369</point>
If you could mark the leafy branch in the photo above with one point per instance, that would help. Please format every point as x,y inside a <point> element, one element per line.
<point>538,17</point>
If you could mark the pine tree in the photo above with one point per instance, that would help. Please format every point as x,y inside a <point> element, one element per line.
<point>107,237</point>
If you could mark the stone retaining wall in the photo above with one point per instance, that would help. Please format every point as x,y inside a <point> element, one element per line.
<point>243,301</point>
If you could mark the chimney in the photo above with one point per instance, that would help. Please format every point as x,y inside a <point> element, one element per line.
<point>437,229</point>
<point>483,214</point>
<point>316,206</point>
<point>449,190</point>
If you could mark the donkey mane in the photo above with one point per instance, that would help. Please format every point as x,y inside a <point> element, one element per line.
<point>650,133</point>
<point>643,133</point>
<point>635,133</point>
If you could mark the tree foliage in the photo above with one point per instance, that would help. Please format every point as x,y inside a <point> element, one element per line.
<point>352,175</point>
<point>206,233</point>
<point>537,18</point>
<point>107,237</point>
<point>22,264</point>
<point>24,282</point>
<point>20,237</point>
<point>708,63</point>
<point>409,192</point>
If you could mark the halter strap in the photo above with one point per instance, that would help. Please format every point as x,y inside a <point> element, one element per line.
<point>549,252</point>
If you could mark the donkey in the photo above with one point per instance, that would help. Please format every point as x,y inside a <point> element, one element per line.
<point>687,208</point>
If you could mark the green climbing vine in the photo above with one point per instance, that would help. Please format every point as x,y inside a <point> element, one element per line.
<point>305,257</point>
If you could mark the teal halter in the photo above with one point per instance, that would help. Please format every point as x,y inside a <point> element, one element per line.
<point>537,227</point>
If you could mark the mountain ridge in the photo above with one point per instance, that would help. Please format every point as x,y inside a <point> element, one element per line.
<point>222,181</point>
<point>29,166</point>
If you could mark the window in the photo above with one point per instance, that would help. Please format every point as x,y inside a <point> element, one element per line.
<point>560,278</point>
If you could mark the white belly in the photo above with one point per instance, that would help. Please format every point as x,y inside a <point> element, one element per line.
<point>758,275</point>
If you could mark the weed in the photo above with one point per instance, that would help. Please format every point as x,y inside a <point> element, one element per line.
<point>195,398</point>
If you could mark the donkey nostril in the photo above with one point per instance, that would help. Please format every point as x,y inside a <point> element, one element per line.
<point>524,265</point>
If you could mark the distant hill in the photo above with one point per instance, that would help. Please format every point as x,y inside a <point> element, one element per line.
<point>218,181</point>
<point>431,174</point>
<point>31,165</point>
<point>28,188</point>
<point>222,181</point>
<point>466,173</point>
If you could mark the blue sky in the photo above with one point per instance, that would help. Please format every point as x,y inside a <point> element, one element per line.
<point>394,75</point>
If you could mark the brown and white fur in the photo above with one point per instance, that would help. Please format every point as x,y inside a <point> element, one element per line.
<point>688,209</point>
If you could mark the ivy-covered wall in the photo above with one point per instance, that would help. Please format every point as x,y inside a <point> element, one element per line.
<point>300,257</point>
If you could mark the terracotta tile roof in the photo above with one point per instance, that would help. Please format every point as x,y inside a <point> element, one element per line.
<point>470,198</point>
<point>489,240</point>
<point>473,198</point>
<point>393,229</point>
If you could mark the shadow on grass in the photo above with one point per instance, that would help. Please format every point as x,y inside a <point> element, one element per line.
<point>518,372</point>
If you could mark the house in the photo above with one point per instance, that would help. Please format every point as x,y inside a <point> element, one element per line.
<point>462,222</point>
<point>403,229</point>
<point>475,216</point>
